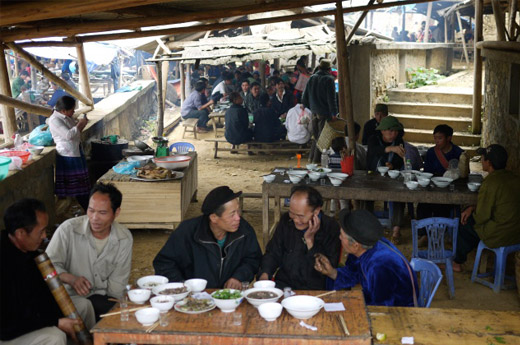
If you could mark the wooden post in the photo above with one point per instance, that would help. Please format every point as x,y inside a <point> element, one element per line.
<point>345,97</point>
<point>313,61</point>
<point>164,80</point>
<point>277,63</point>
<point>84,81</point>
<point>188,79</point>
<point>34,78</point>
<point>445,30</point>
<point>427,27</point>
<point>476,123</point>
<point>356,26</point>
<point>7,113</point>
<point>499,20</point>
<point>403,24</point>
<point>512,19</point>
<point>261,65</point>
<point>464,47</point>
<point>160,108</point>
<point>121,61</point>
<point>16,65</point>
<point>183,82</point>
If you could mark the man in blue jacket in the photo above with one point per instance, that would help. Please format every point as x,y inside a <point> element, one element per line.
<point>219,246</point>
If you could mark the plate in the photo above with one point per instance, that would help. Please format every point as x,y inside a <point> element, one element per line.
<point>179,305</point>
<point>178,175</point>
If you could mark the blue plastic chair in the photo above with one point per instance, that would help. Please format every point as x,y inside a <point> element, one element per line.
<point>501,254</point>
<point>182,147</point>
<point>436,228</point>
<point>430,277</point>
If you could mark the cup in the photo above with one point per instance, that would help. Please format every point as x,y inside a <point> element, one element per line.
<point>452,187</point>
<point>287,292</point>
<point>124,309</point>
<point>245,286</point>
<point>322,181</point>
<point>237,318</point>
<point>163,319</point>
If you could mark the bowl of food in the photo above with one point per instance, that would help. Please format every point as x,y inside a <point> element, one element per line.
<point>393,173</point>
<point>142,160</point>
<point>163,303</point>
<point>314,176</point>
<point>196,284</point>
<point>149,282</point>
<point>173,162</point>
<point>323,171</point>
<point>227,300</point>
<point>425,175</point>
<point>473,186</point>
<point>36,150</point>
<point>147,316</point>
<point>382,170</point>
<point>270,310</point>
<point>423,182</point>
<point>301,173</point>
<point>264,284</point>
<point>177,290</point>
<point>311,166</point>
<point>335,181</point>
<point>412,184</point>
<point>302,306</point>
<point>338,175</point>
<point>269,178</point>
<point>139,296</point>
<point>258,296</point>
<point>295,178</point>
<point>442,182</point>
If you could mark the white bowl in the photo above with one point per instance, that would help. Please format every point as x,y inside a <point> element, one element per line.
<point>311,166</point>
<point>425,175</point>
<point>196,284</point>
<point>335,181</point>
<point>393,173</point>
<point>442,182</point>
<point>270,310</point>
<point>143,160</point>
<point>314,176</point>
<point>473,186</point>
<point>295,178</point>
<point>303,307</point>
<point>227,305</point>
<point>382,170</point>
<point>300,173</point>
<point>264,284</point>
<point>412,185</point>
<point>173,162</point>
<point>323,171</point>
<point>338,175</point>
<point>258,301</point>
<point>413,172</point>
<point>36,150</point>
<point>178,296</point>
<point>424,182</point>
<point>269,178</point>
<point>139,296</point>
<point>163,303</point>
<point>149,282</point>
<point>147,316</point>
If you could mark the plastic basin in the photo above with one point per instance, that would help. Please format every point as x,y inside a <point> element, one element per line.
<point>4,166</point>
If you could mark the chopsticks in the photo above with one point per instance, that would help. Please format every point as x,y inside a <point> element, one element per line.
<point>152,327</point>
<point>326,293</point>
<point>119,312</point>
<point>343,324</point>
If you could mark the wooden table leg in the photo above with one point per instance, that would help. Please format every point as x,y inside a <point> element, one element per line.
<point>214,126</point>
<point>265,217</point>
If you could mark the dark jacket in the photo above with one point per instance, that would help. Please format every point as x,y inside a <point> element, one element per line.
<point>237,125</point>
<point>320,95</point>
<point>268,127</point>
<point>369,129</point>
<point>251,103</point>
<point>283,106</point>
<point>288,252</point>
<point>193,252</point>
<point>26,303</point>
<point>376,155</point>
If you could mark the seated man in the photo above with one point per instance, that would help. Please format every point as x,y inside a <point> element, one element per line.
<point>268,127</point>
<point>196,106</point>
<point>299,125</point>
<point>369,129</point>
<point>237,122</point>
<point>383,272</point>
<point>301,233</point>
<point>219,246</point>
<point>252,100</point>
<point>29,313</point>
<point>224,88</point>
<point>244,88</point>
<point>282,100</point>
<point>437,157</point>
<point>495,218</point>
<point>93,253</point>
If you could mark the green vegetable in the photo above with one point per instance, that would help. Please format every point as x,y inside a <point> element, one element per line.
<point>422,77</point>
<point>227,294</point>
<point>500,340</point>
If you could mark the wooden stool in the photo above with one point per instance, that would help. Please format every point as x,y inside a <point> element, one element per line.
<point>190,123</point>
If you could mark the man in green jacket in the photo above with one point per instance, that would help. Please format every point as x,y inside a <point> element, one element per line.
<point>495,218</point>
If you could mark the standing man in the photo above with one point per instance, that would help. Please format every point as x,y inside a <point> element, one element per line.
<point>369,129</point>
<point>320,97</point>
<point>196,106</point>
<point>219,246</point>
<point>29,313</point>
<point>302,233</point>
<point>93,253</point>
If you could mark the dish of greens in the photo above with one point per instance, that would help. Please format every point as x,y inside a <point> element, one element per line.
<point>227,294</point>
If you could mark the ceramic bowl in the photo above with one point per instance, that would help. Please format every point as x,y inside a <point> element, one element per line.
<point>149,282</point>
<point>36,150</point>
<point>163,303</point>
<point>196,284</point>
<point>473,186</point>
<point>139,296</point>
<point>323,171</point>
<point>300,173</point>
<point>178,296</point>
<point>412,185</point>
<point>258,301</point>
<point>338,175</point>
<point>269,178</point>
<point>227,305</point>
<point>295,178</point>
<point>147,316</point>
<point>424,182</point>
<point>303,307</point>
<point>335,181</point>
<point>393,173</point>
<point>143,160</point>
<point>311,166</point>
<point>382,170</point>
<point>442,182</point>
<point>314,176</point>
<point>264,284</point>
<point>425,175</point>
<point>270,311</point>
<point>173,162</point>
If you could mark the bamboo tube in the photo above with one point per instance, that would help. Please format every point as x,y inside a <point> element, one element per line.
<point>28,107</point>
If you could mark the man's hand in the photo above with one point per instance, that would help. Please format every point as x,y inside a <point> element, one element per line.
<point>314,226</point>
<point>389,165</point>
<point>322,265</point>
<point>233,283</point>
<point>465,214</point>
<point>67,325</point>
<point>81,285</point>
<point>399,150</point>
<point>263,276</point>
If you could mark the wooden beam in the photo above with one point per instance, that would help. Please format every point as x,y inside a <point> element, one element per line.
<point>27,11</point>
<point>499,45</point>
<point>32,44</point>
<point>427,27</point>
<point>476,120</point>
<point>84,81</point>
<point>163,46</point>
<point>512,19</point>
<point>464,47</point>
<point>8,116</point>
<point>28,107</point>
<point>499,20</point>
<point>48,74</point>
<point>358,23</point>
<point>183,82</point>
<point>160,108</point>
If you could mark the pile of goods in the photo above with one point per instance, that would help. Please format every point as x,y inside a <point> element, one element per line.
<point>154,173</point>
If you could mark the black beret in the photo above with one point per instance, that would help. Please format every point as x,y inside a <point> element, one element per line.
<point>361,225</point>
<point>216,198</point>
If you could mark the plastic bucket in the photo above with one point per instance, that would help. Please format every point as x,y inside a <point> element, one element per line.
<point>347,165</point>
<point>4,166</point>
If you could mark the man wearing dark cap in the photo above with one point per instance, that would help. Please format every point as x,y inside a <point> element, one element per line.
<point>301,234</point>
<point>219,246</point>
<point>381,269</point>
<point>495,218</point>
<point>369,129</point>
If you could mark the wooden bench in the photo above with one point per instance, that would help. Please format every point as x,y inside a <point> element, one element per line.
<point>280,146</point>
<point>187,123</point>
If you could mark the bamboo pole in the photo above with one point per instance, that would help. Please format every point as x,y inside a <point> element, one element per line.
<point>48,74</point>
<point>121,62</point>
<point>183,82</point>
<point>427,27</point>
<point>512,19</point>
<point>464,47</point>
<point>476,121</point>
<point>358,23</point>
<point>187,87</point>
<point>160,108</point>
<point>34,78</point>
<point>16,65</point>
<point>84,81</point>
<point>8,116</point>
<point>28,107</point>
<point>164,80</point>
<point>445,30</point>
<point>499,20</point>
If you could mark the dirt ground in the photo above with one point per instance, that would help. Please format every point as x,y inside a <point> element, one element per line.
<point>243,172</point>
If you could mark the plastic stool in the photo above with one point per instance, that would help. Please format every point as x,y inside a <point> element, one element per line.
<point>501,254</point>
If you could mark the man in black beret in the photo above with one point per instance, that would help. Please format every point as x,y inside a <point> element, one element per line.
<point>219,246</point>
<point>381,269</point>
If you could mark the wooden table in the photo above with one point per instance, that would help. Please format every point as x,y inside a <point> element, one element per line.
<point>433,326</point>
<point>155,205</point>
<point>215,327</point>
<point>364,186</point>
<point>216,117</point>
